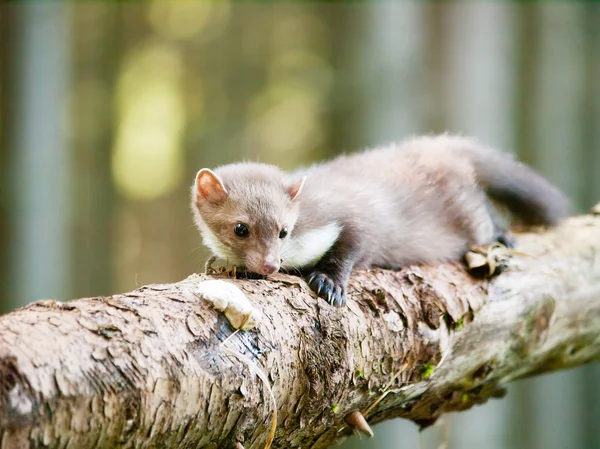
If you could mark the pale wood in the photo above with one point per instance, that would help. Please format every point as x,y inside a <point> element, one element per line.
<point>146,368</point>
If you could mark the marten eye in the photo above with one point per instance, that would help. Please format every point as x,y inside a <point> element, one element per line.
<point>283,233</point>
<point>241,230</point>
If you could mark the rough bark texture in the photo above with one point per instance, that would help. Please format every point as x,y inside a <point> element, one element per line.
<point>147,369</point>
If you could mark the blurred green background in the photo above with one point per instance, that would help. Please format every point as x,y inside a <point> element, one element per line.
<point>109,109</point>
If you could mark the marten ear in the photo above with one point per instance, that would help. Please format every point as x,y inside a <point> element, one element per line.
<point>295,189</point>
<point>209,187</point>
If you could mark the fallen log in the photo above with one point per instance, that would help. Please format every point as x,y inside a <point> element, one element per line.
<point>151,368</point>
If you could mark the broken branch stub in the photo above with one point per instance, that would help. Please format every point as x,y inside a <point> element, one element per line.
<point>149,369</point>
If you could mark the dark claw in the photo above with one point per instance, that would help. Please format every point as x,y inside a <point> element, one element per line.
<point>318,285</point>
<point>327,289</point>
<point>338,298</point>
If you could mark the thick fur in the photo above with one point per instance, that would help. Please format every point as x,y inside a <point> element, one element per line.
<point>422,201</point>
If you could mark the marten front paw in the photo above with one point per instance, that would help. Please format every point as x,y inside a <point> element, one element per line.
<point>326,288</point>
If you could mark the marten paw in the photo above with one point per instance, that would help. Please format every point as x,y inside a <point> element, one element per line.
<point>325,287</point>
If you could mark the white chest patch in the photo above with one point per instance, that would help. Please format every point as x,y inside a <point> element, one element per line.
<point>307,249</point>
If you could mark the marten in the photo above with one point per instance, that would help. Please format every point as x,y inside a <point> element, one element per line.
<point>425,200</point>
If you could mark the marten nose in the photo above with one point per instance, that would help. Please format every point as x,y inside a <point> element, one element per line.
<point>269,267</point>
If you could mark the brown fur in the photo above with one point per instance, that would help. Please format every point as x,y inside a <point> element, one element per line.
<point>421,201</point>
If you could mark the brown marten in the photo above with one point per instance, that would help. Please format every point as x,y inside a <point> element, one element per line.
<point>425,200</point>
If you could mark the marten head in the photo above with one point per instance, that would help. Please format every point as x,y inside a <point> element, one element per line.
<point>245,212</point>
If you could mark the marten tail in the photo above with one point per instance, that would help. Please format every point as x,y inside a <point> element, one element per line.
<point>530,197</point>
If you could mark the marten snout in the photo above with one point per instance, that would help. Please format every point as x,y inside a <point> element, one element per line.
<point>269,267</point>
<point>264,264</point>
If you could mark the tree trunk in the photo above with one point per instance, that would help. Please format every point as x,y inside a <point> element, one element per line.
<point>148,368</point>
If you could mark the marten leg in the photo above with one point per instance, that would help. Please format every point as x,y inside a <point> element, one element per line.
<point>484,223</point>
<point>501,232</point>
<point>330,275</point>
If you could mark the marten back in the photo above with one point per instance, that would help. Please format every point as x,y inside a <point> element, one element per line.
<point>435,161</point>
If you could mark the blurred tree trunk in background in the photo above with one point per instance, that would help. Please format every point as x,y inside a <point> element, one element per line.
<point>347,30</point>
<point>478,41</point>
<point>559,97</point>
<point>40,159</point>
<point>591,129</point>
<point>6,14</point>
<point>392,59</point>
<point>96,62</point>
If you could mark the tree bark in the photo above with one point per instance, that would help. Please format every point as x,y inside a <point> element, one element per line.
<point>148,368</point>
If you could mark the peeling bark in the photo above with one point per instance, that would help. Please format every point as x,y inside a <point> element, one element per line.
<point>147,369</point>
